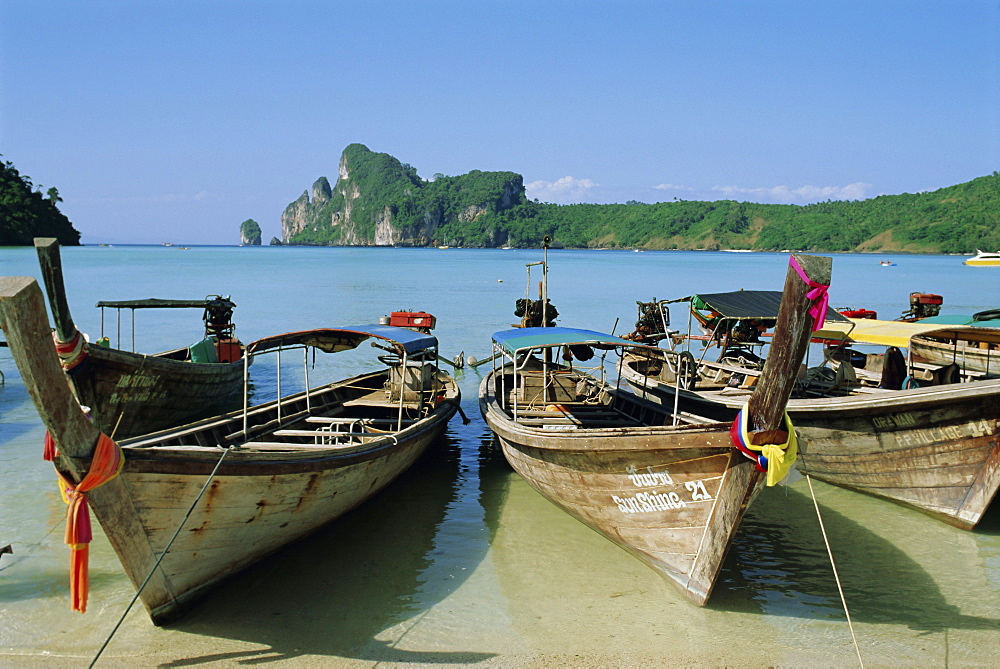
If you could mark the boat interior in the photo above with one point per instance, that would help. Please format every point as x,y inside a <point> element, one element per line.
<point>344,414</point>
<point>565,397</point>
<point>844,371</point>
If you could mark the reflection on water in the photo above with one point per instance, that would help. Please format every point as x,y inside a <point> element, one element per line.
<point>780,563</point>
<point>366,576</point>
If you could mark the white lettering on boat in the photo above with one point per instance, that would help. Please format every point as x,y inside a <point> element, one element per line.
<point>652,501</point>
<point>934,435</point>
<point>894,420</point>
<point>698,492</point>
<point>649,478</point>
<point>648,502</point>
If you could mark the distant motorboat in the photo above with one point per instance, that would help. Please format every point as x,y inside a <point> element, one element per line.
<point>887,263</point>
<point>984,259</point>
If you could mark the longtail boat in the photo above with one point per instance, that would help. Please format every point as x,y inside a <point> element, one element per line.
<point>671,488</point>
<point>193,505</point>
<point>131,393</point>
<point>919,431</point>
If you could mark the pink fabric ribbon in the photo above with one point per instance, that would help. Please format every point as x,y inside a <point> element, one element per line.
<point>818,295</point>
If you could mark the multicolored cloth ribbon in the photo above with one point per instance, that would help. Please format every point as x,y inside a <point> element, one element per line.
<point>106,463</point>
<point>818,294</point>
<point>775,459</point>
<point>72,352</point>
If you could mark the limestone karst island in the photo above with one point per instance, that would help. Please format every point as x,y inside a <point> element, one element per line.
<point>379,201</point>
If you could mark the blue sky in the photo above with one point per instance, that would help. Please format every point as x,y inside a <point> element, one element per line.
<point>175,121</point>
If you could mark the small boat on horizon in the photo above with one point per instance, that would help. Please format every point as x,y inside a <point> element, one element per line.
<point>984,259</point>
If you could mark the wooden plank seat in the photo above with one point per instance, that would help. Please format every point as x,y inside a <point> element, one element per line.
<point>326,434</point>
<point>589,413</point>
<point>539,422</point>
<point>333,408</point>
<point>330,420</point>
<point>720,372</point>
<point>926,371</point>
<point>288,446</point>
<point>597,417</point>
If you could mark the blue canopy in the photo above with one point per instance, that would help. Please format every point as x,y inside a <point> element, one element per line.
<point>343,339</point>
<point>522,338</point>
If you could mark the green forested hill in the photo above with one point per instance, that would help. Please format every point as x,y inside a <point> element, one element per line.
<point>378,200</point>
<point>25,213</point>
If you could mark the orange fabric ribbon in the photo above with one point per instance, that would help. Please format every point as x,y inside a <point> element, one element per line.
<point>105,465</point>
<point>50,451</point>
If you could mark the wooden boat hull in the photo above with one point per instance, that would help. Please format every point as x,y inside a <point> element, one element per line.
<point>260,498</point>
<point>935,449</point>
<point>970,357</point>
<point>192,505</point>
<point>131,394</point>
<point>671,496</point>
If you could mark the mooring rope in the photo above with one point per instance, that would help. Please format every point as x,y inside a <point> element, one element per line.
<point>159,559</point>
<point>836,576</point>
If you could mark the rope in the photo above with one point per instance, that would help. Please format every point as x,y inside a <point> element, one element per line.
<point>159,559</point>
<point>836,576</point>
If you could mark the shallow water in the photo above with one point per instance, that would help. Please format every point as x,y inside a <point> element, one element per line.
<point>459,561</point>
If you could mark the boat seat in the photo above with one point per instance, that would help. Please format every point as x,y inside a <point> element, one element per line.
<point>552,386</point>
<point>288,446</point>
<point>330,420</point>
<point>327,434</point>
<point>256,430</point>
<point>927,372</point>
<point>582,419</point>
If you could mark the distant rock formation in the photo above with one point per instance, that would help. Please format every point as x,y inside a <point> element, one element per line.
<point>379,201</point>
<point>249,233</point>
<point>275,241</point>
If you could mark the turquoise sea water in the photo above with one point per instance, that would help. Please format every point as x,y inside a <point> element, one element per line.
<point>460,561</point>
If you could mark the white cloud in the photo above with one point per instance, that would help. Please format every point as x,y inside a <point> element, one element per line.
<point>567,190</point>
<point>685,189</point>
<point>800,195</point>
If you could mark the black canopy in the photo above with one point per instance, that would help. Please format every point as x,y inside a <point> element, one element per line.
<point>156,303</point>
<point>743,304</point>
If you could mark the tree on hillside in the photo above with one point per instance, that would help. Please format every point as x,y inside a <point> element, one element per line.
<point>26,214</point>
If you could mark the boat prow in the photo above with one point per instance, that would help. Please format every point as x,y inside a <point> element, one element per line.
<point>670,488</point>
<point>245,483</point>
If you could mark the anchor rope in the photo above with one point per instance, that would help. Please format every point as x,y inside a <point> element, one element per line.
<point>833,565</point>
<point>163,554</point>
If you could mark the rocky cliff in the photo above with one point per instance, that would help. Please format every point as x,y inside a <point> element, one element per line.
<point>249,233</point>
<point>379,201</point>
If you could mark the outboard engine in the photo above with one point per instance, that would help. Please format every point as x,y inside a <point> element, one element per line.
<point>530,313</point>
<point>922,305</point>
